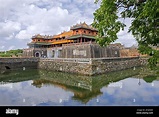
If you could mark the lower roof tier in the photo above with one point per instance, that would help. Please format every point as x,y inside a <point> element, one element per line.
<point>83,35</point>
<point>63,41</point>
<point>39,43</point>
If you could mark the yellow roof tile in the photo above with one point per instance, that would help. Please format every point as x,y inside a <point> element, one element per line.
<point>62,41</point>
<point>64,34</point>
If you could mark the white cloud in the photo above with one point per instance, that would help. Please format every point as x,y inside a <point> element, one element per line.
<point>2,47</point>
<point>8,28</point>
<point>127,39</point>
<point>145,94</point>
<point>24,94</point>
<point>23,35</point>
<point>11,47</point>
<point>21,19</point>
<point>123,36</point>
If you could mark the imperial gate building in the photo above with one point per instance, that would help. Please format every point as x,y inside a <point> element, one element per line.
<point>78,42</point>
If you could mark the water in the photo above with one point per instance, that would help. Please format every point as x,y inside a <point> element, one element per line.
<point>132,87</point>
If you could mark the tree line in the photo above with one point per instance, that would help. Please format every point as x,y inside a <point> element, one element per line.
<point>11,53</point>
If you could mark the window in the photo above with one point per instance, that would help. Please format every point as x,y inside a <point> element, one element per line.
<point>38,39</point>
<point>116,52</point>
<point>84,31</point>
<point>77,32</point>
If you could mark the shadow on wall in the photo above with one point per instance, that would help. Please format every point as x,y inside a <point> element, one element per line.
<point>7,67</point>
<point>5,70</point>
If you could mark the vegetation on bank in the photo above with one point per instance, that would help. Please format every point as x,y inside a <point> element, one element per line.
<point>11,53</point>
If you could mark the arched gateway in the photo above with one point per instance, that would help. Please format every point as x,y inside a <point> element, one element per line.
<point>37,54</point>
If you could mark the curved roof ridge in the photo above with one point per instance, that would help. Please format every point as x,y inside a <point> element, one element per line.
<point>82,25</point>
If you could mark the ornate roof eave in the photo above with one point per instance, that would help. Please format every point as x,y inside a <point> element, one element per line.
<point>83,25</point>
<point>83,28</point>
<point>83,35</point>
<point>38,36</point>
<point>38,43</point>
<point>73,28</point>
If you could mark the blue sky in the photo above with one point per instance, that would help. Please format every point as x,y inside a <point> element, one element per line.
<point>21,19</point>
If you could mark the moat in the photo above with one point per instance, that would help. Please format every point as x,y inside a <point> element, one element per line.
<point>131,87</point>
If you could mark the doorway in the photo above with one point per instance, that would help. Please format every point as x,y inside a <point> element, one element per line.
<point>37,54</point>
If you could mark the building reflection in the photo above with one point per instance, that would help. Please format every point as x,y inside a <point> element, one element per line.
<point>84,88</point>
<point>11,76</point>
<point>139,83</point>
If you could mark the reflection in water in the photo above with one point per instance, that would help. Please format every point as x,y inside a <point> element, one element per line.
<point>83,87</point>
<point>20,75</point>
<point>150,78</point>
<point>139,82</point>
<point>41,87</point>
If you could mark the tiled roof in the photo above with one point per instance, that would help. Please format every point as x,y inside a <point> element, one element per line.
<point>42,36</point>
<point>64,34</point>
<point>83,25</point>
<point>62,41</point>
<point>39,43</point>
<point>86,36</point>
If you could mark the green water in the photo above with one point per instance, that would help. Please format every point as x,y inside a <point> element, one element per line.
<point>136,86</point>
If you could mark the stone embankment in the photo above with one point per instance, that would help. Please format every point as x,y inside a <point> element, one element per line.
<point>91,66</point>
<point>86,66</point>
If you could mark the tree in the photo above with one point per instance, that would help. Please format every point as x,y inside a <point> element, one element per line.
<point>11,52</point>
<point>144,26</point>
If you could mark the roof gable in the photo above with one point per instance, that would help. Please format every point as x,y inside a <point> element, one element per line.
<point>82,25</point>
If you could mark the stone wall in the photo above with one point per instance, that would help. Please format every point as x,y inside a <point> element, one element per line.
<point>18,63</point>
<point>66,65</point>
<point>76,51</point>
<point>100,66</point>
<point>84,66</point>
<point>35,52</point>
<point>91,66</point>
<point>89,50</point>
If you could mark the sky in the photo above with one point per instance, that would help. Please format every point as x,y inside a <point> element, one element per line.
<point>21,19</point>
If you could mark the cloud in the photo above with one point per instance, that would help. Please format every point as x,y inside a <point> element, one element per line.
<point>124,37</point>
<point>8,28</point>
<point>11,47</point>
<point>131,93</point>
<point>24,94</point>
<point>21,19</point>
<point>127,39</point>
<point>2,47</point>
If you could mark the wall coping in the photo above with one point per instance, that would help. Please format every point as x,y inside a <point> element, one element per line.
<point>86,60</point>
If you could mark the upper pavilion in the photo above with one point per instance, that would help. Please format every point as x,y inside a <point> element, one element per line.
<point>78,33</point>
